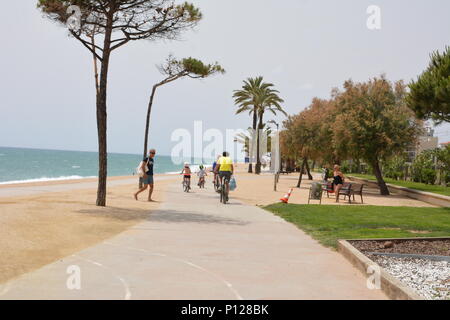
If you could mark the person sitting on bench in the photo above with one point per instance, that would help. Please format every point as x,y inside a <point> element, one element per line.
<point>338,180</point>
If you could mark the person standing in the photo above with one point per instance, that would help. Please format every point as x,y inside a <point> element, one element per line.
<point>325,173</point>
<point>147,179</point>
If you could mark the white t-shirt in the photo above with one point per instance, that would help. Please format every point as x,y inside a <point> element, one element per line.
<point>201,173</point>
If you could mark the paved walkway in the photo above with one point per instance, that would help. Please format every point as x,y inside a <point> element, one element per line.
<point>193,247</point>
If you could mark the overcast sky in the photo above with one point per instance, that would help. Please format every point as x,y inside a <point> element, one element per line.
<point>304,47</point>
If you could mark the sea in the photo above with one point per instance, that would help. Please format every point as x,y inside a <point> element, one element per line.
<point>21,165</point>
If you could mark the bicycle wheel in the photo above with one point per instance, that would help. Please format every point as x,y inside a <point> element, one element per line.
<point>217,185</point>
<point>223,193</point>
<point>226,196</point>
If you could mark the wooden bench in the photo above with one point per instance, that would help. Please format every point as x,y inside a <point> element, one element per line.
<point>357,189</point>
<point>327,187</point>
<point>346,191</point>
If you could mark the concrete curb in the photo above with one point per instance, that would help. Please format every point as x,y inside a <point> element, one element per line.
<point>391,286</point>
<point>432,198</point>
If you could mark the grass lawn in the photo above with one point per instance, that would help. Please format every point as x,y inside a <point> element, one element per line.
<point>408,184</point>
<point>328,223</point>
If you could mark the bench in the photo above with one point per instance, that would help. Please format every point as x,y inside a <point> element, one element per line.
<point>358,190</point>
<point>346,191</point>
<point>327,187</point>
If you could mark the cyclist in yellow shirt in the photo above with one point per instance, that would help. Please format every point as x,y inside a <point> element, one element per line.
<point>225,169</point>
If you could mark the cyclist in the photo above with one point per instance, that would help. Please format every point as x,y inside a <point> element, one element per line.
<point>187,174</point>
<point>225,169</point>
<point>215,181</point>
<point>201,176</point>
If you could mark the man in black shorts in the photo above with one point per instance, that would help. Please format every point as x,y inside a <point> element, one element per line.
<point>147,179</point>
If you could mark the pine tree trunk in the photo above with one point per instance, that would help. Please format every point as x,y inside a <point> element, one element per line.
<point>384,191</point>
<point>310,177</point>
<point>102,117</point>
<point>147,126</point>
<point>301,173</point>
<point>147,121</point>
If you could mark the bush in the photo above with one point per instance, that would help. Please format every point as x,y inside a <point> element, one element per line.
<point>345,167</point>
<point>428,176</point>
<point>423,169</point>
<point>394,167</point>
<point>443,163</point>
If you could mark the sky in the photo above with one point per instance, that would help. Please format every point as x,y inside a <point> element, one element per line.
<point>304,47</point>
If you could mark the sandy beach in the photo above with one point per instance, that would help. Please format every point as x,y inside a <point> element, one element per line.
<point>38,229</point>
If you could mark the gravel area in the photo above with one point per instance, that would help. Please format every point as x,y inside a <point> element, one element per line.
<point>430,279</point>
<point>430,247</point>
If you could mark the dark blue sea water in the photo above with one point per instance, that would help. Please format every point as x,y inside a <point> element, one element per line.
<point>26,165</point>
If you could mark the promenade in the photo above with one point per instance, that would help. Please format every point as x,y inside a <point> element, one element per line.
<point>193,247</point>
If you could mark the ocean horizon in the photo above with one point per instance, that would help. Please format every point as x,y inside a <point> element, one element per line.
<point>23,165</point>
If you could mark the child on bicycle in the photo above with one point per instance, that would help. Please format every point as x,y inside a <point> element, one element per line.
<point>186,172</point>
<point>201,176</point>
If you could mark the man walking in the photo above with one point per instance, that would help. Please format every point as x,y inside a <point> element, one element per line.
<point>147,179</point>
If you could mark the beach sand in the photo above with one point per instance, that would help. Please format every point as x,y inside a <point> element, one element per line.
<point>39,229</point>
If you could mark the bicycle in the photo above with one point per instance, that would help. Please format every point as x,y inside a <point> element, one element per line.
<point>216,183</point>
<point>223,190</point>
<point>186,184</point>
<point>201,182</point>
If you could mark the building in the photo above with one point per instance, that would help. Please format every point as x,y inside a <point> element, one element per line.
<point>444,144</point>
<point>425,142</point>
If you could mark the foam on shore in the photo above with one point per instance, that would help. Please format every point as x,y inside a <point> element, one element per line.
<point>45,179</point>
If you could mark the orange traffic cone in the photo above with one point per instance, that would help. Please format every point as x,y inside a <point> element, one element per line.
<point>285,199</point>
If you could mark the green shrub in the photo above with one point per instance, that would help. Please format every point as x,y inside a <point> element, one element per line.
<point>394,167</point>
<point>423,169</point>
<point>428,176</point>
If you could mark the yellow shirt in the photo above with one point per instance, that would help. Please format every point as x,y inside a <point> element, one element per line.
<point>225,163</point>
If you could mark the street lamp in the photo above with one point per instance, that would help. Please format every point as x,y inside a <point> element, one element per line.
<point>277,158</point>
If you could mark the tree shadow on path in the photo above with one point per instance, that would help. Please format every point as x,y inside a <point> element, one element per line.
<point>165,216</point>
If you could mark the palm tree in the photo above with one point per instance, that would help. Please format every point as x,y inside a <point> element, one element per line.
<point>269,101</point>
<point>247,99</point>
<point>245,137</point>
